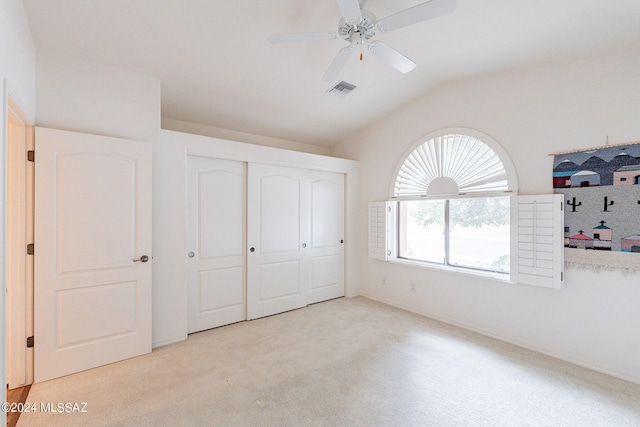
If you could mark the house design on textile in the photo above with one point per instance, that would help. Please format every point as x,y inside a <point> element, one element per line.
<point>630,243</point>
<point>627,175</point>
<point>585,179</point>
<point>602,237</point>
<point>580,241</point>
<point>562,179</point>
<point>619,165</point>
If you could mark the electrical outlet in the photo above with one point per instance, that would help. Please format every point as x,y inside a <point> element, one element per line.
<point>412,286</point>
<point>384,280</point>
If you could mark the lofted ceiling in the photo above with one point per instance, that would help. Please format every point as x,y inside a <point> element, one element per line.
<point>217,68</point>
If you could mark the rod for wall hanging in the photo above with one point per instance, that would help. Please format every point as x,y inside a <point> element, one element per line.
<point>607,145</point>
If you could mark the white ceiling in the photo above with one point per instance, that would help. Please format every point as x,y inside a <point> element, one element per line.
<point>216,67</point>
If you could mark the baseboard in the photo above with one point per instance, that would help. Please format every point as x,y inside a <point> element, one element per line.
<point>528,346</point>
<point>168,341</point>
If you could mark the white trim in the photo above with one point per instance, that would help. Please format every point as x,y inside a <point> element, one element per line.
<point>168,341</point>
<point>499,277</point>
<point>19,270</point>
<point>3,226</point>
<point>454,196</point>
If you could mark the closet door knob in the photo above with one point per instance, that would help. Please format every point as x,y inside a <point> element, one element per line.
<point>304,245</point>
<point>252,250</point>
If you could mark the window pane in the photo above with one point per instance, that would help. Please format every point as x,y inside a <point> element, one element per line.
<point>479,234</point>
<point>421,230</point>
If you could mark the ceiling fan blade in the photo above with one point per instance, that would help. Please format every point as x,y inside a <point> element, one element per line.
<point>350,10</point>
<point>338,64</point>
<point>392,56</point>
<point>413,15</point>
<point>301,37</point>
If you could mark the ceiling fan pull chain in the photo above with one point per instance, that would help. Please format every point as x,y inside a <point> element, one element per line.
<point>360,46</point>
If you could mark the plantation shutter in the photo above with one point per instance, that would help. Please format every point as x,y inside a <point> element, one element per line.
<point>379,230</point>
<point>538,248</point>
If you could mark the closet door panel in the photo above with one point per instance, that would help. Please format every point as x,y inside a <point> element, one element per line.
<point>278,230</point>
<point>326,251</point>
<point>216,233</point>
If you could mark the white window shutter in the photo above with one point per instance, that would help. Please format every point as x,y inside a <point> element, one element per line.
<point>379,229</point>
<point>539,240</point>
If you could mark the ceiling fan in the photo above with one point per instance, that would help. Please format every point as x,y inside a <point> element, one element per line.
<point>358,25</point>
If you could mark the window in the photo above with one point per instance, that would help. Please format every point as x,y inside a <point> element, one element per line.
<point>421,228</point>
<point>468,232</point>
<point>453,205</point>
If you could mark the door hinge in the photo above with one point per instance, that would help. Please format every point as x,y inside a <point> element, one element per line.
<point>30,249</point>
<point>31,155</point>
<point>30,342</point>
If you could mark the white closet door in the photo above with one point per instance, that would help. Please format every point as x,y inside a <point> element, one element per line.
<point>326,248</point>
<point>92,223</point>
<point>278,238</point>
<point>216,241</point>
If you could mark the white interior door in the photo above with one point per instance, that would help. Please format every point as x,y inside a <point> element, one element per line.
<point>326,248</point>
<point>216,233</point>
<point>278,232</point>
<point>92,223</point>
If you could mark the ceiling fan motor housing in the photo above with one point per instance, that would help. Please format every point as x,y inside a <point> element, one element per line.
<point>365,27</point>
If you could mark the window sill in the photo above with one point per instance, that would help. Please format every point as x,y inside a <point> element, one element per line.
<point>500,277</point>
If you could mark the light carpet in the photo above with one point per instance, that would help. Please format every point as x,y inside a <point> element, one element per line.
<point>345,362</point>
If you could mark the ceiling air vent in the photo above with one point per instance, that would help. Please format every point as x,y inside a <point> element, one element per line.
<point>342,89</point>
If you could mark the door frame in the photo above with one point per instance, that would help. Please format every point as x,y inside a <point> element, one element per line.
<point>19,265</point>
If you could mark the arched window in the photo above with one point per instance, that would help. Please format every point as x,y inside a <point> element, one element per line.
<point>453,162</point>
<point>452,205</point>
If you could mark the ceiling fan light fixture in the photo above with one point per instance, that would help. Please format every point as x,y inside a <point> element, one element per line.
<point>357,26</point>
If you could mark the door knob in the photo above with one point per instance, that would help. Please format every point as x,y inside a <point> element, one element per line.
<point>143,258</point>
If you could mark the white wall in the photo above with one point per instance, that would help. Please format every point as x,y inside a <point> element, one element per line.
<point>531,113</point>
<point>17,56</point>
<point>82,96</point>
<point>17,79</point>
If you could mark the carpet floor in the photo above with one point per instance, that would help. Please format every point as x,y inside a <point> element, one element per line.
<point>345,362</point>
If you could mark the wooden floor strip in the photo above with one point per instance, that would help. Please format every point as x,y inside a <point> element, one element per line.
<point>16,395</point>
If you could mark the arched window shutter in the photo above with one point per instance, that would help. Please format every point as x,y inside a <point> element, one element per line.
<point>461,159</point>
